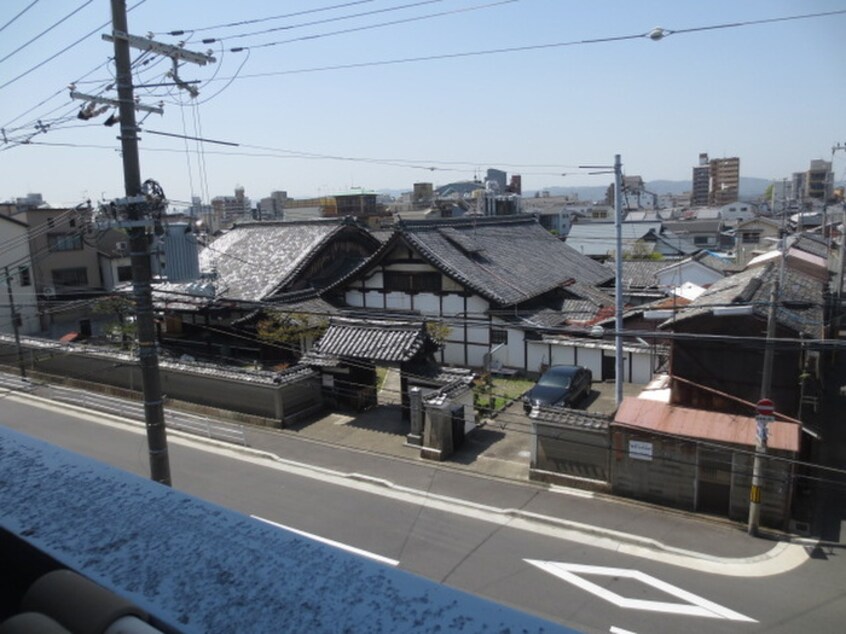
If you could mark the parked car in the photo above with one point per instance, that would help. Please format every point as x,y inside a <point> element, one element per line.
<point>561,385</point>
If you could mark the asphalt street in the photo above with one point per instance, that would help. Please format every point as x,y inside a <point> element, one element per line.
<point>521,545</point>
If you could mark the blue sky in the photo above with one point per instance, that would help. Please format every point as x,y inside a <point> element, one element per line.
<point>771,94</point>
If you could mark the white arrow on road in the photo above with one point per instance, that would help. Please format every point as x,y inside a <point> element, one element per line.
<point>694,604</point>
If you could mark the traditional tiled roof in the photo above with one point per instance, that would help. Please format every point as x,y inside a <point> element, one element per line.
<point>799,306</point>
<point>639,273</point>
<point>813,244</point>
<point>599,238</point>
<point>507,260</point>
<point>714,262</point>
<point>387,341</point>
<point>564,417</point>
<point>254,260</point>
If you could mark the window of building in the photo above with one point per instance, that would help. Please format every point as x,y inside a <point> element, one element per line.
<point>412,282</point>
<point>24,276</point>
<point>50,223</point>
<point>72,222</point>
<point>70,277</point>
<point>750,237</point>
<point>124,274</point>
<point>64,241</point>
<point>498,336</point>
<point>700,240</point>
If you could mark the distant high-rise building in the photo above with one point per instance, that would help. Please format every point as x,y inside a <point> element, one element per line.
<point>497,176</point>
<point>229,209</point>
<point>819,180</point>
<point>273,207</point>
<point>516,185</point>
<point>422,195</point>
<point>725,181</point>
<point>700,191</point>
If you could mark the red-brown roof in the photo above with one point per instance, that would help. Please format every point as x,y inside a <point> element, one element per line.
<point>702,424</point>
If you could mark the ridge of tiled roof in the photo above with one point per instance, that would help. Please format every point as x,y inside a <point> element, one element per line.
<point>253,260</point>
<point>799,306</point>
<point>376,340</point>
<point>507,260</point>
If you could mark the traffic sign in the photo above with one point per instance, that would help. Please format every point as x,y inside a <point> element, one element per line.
<point>765,407</point>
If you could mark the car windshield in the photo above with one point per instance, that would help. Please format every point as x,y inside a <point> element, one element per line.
<point>552,379</point>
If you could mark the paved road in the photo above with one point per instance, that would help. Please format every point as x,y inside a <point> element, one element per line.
<point>450,527</point>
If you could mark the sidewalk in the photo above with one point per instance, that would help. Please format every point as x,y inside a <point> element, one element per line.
<point>491,471</point>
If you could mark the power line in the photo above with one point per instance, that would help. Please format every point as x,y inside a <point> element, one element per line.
<point>265,19</point>
<point>530,47</point>
<point>378,25</point>
<point>326,20</point>
<point>47,30</point>
<point>64,50</point>
<point>20,13</point>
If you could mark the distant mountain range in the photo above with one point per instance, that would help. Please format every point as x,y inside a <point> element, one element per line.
<point>749,188</point>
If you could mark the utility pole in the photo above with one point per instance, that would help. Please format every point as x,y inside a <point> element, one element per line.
<point>618,285</point>
<point>618,261</point>
<point>135,211</point>
<point>14,315</point>
<point>764,416</point>
<point>139,248</point>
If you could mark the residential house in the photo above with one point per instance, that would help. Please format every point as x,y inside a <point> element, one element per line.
<point>717,357</point>
<point>598,239</point>
<point>752,236</point>
<point>703,269</point>
<point>485,278</point>
<point>252,270</point>
<point>705,234</point>
<point>18,286</point>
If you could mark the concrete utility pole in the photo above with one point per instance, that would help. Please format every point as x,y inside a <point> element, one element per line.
<point>139,247</point>
<point>763,415</point>
<point>618,285</point>
<point>14,315</point>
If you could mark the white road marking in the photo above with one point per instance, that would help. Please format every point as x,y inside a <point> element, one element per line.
<point>332,542</point>
<point>695,606</point>
<point>619,630</point>
<point>781,558</point>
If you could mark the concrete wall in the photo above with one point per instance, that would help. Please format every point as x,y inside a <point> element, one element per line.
<point>284,402</point>
<point>572,455</point>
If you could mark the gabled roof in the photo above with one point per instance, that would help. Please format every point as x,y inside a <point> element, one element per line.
<point>673,242</point>
<point>799,306</point>
<point>599,238</point>
<point>694,226</point>
<point>813,244</point>
<point>758,220</point>
<point>640,273</point>
<point>507,260</point>
<point>14,221</point>
<point>387,341</point>
<point>255,260</point>
<point>707,259</point>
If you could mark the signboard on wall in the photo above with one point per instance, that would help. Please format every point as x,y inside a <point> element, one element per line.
<point>640,450</point>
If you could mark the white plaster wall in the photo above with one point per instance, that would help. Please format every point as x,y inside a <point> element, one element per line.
<point>453,305</point>
<point>427,303</point>
<point>374,281</point>
<point>478,333</point>
<point>514,352</point>
<point>642,368</point>
<point>537,355</point>
<point>563,355</point>
<point>476,355</point>
<point>476,306</point>
<point>354,298</point>
<point>398,300</point>
<point>692,272</point>
<point>591,359</point>
<point>454,353</point>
